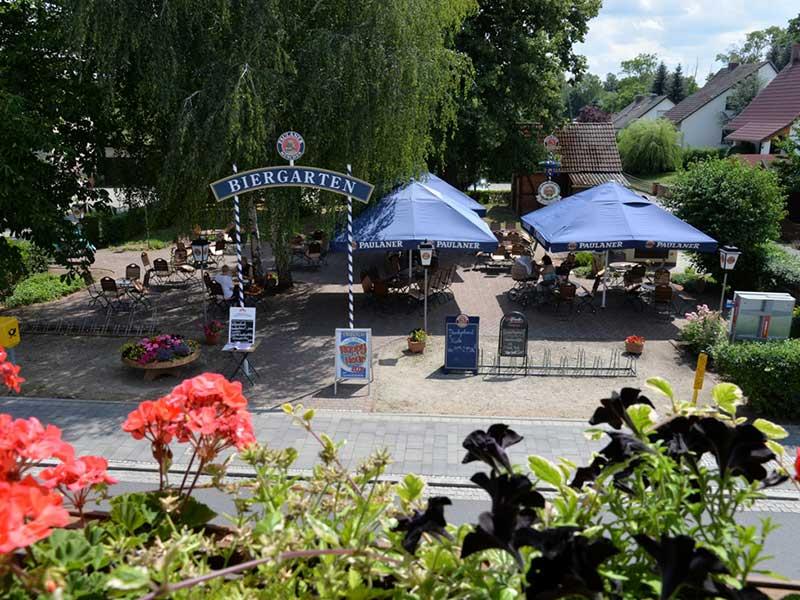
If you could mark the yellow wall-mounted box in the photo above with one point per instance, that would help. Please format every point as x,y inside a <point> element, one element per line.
<point>9,332</point>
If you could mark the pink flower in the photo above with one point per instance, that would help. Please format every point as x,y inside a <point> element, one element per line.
<point>78,474</point>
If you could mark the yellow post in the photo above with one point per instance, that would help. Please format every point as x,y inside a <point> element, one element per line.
<point>699,374</point>
<point>9,332</point>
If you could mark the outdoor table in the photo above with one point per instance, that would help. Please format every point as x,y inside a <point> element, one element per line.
<point>622,265</point>
<point>240,358</point>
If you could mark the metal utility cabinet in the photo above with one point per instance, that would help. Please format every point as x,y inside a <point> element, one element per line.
<point>761,316</point>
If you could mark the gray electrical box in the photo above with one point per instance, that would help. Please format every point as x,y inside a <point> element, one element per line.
<point>761,316</point>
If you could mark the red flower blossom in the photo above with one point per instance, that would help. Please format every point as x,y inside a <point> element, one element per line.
<point>208,389</point>
<point>797,466</point>
<point>25,442</point>
<point>9,372</point>
<point>30,511</point>
<point>155,421</point>
<point>78,474</point>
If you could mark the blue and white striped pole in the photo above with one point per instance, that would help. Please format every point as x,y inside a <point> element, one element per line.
<point>238,223</point>
<point>350,254</point>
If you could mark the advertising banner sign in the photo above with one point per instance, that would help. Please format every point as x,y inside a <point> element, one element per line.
<point>353,354</point>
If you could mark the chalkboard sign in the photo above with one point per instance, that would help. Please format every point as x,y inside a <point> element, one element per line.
<point>461,343</point>
<point>513,335</point>
<point>242,326</point>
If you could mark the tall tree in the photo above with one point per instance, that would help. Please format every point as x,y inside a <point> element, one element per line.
<point>585,91</point>
<point>54,125</point>
<point>207,83</point>
<point>520,50</point>
<point>742,94</point>
<point>660,80</point>
<point>676,89</point>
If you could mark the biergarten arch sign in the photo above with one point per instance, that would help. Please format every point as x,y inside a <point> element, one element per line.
<point>291,146</point>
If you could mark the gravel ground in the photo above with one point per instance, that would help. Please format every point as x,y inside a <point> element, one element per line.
<point>415,383</point>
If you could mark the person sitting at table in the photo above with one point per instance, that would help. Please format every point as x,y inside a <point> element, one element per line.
<point>549,276</point>
<point>526,260</point>
<point>563,270</point>
<point>225,280</point>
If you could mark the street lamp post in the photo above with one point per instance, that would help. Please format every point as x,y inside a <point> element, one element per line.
<point>200,248</point>
<point>425,257</point>
<point>728,255</point>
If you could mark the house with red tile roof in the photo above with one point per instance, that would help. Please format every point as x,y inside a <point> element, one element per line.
<point>773,112</point>
<point>701,116</point>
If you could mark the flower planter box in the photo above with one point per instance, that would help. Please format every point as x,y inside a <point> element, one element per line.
<point>415,347</point>
<point>634,348</point>
<point>157,369</point>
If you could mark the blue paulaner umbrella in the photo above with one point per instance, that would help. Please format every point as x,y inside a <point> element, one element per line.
<point>445,189</point>
<point>418,213</point>
<point>612,217</point>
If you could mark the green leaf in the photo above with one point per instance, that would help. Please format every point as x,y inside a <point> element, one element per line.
<point>126,577</point>
<point>642,415</point>
<point>268,524</point>
<point>594,434</point>
<point>309,414</point>
<point>727,396</point>
<point>545,470</point>
<point>133,511</point>
<point>772,430</point>
<point>194,513</point>
<point>508,594</point>
<point>287,408</point>
<point>353,579</point>
<point>410,488</point>
<point>776,448</point>
<point>660,384</point>
<point>323,531</point>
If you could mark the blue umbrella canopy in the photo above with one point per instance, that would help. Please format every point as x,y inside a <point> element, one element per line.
<point>612,217</point>
<point>417,213</point>
<point>445,189</point>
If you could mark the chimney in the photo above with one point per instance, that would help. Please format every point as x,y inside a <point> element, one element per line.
<point>732,65</point>
<point>796,54</point>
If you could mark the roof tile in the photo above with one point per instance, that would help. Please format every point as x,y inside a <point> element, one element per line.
<point>589,148</point>
<point>723,80</point>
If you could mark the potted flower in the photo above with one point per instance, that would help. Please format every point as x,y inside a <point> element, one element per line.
<point>634,344</point>
<point>212,330</point>
<point>416,341</point>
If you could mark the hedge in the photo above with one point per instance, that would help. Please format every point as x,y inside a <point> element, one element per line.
<point>694,155</point>
<point>781,271</point>
<point>42,287</point>
<point>767,372</point>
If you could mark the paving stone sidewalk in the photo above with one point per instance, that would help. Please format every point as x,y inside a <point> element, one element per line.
<point>428,445</point>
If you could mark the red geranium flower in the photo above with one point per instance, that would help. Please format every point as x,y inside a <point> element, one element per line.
<point>9,372</point>
<point>77,474</point>
<point>30,511</point>
<point>797,466</point>
<point>25,442</point>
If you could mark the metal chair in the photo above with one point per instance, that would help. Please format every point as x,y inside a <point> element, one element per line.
<point>133,272</point>
<point>181,266</point>
<point>112,294</point>
<point>663,300</point>
<point>586,297</point>
<point>565,294</point>
<point>96,296</point>
<point>161,271</point>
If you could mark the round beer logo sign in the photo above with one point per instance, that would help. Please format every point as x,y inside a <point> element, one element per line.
<point>548,192</point>
<point>649,244</point>
<point>462,321</point>
<point>551,143</point>
<point>291,145</point>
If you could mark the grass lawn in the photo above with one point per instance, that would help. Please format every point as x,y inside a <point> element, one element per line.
<point>645,183</point>
<point>502,215</point>
<point>159,239</point>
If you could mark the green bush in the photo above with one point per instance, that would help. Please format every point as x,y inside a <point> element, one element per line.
<point>704,330</point>
<point>795,322</point>
<point>108,229</point>
<point>583,259</point>
<point>693,155</point>
<point>648,147</point>
<point>692,280</point>
<point>781,272</point>
<point>767,372</point>
<point>19,259</point>
<point>735,204</point>
<point>489,197</point>
<point>41,287</point>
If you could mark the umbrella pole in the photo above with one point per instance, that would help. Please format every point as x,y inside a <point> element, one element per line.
<point>605,279</point>
<point>409,265</point>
